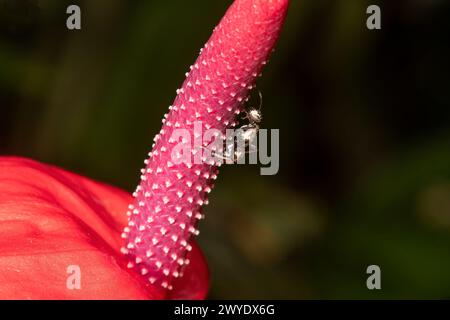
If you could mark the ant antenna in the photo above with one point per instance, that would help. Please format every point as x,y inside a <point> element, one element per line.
<point>260,100</point>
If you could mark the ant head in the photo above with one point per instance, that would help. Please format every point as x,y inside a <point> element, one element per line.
<point>260,100</point>
<point>254,116</point>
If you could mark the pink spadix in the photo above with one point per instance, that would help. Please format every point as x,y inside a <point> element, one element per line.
<point>169,198</point>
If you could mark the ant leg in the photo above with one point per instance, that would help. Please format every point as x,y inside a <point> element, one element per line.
<point>216,155</point>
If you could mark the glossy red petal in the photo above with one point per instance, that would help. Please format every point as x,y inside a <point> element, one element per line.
<point>51,219</point>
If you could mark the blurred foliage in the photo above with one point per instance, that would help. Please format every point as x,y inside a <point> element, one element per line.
<point>363,116</point>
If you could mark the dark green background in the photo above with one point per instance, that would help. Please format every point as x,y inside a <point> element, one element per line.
<point>363,117</point>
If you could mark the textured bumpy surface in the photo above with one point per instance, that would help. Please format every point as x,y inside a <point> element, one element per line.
<point>169,199</point>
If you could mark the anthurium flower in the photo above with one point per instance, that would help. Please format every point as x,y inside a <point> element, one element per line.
<point>136,246</point>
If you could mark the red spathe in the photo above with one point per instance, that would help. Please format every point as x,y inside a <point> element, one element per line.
<point>51,219</point>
